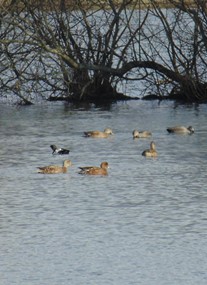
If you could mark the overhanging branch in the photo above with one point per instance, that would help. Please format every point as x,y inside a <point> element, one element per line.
<point>120,72</point>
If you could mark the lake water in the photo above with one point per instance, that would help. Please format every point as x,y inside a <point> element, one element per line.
<point>145,223</point>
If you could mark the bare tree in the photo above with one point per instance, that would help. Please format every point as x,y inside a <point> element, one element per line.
<point>83,50</point>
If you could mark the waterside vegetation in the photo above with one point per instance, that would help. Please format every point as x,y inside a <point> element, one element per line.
<point>91,50</point>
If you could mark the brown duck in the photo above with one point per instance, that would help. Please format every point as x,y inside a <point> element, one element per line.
<point>98,134</point>
<point>94,170</point>
<point>141,134</point>
<point>150,152</point>
<point>53,169</point>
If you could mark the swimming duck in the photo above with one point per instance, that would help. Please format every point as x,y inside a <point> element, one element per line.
<point>53,169</point>
<point>141,134</point>
<point>59,150</point>
<point>181,130</point>
<point>94,170</point>
<point>150,152</point>
<point>97,134</point>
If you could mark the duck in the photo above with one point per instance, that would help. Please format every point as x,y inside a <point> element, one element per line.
<point>181,130</point>
<point>150,152</point>
<point>141,134</point>
<point>94,170</point>
<point>98,134</point>
<point>54,169</point>
<point>57,150</point>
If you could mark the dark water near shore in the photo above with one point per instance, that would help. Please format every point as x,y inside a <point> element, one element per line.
<point>145,223</point>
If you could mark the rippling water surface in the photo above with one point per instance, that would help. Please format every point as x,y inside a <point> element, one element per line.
<point>145,223</point>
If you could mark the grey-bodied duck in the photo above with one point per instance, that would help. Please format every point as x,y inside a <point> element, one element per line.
<point>181,130</point>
